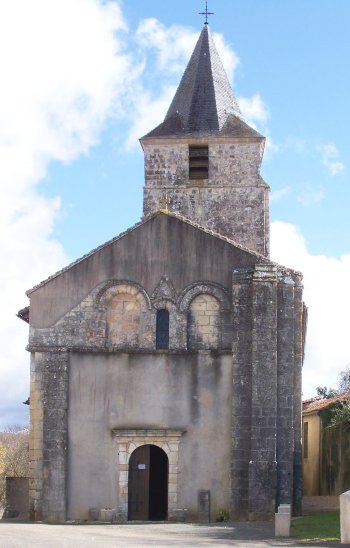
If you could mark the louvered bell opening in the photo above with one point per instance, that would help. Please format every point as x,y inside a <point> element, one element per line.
<point>198,162</point>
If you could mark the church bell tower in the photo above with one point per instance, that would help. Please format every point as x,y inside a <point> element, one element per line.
<point>204,160</point>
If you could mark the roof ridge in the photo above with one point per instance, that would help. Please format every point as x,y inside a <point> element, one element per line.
<point>145,219</point>
<point>85,256</point>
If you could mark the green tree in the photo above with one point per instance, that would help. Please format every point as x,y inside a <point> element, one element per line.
<point>326,393</point>
<point>341,415</point>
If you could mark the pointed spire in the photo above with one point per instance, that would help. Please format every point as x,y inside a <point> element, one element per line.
<point>204,101</point>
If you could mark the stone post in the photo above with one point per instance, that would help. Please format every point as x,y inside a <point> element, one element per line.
<point>283,521</point>
<point>262,466</point>
<point>345,518</point>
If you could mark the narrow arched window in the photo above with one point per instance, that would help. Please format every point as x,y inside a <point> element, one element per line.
<point>162,329</point>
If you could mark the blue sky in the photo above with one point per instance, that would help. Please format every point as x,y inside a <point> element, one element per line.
<point>294,55</point>
<point>82,81</point>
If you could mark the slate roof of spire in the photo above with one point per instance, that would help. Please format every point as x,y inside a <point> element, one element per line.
<point>204,102</point>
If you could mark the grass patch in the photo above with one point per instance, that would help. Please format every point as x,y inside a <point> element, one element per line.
<point>325,526</point>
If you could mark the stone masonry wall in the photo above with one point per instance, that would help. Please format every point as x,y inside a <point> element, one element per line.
<point>299,319</point>
<point>121,315</point>
<point>36,436</point>
<point>233,201</point>
<point>167,164</point>
<point>285,388</point>
<point>241,392</point>
<point>262,326</point>
<point>48,438</point>
<point>55,435</point>
<point>116,316</point>
<point>267,316</point>
<point>262,466</point>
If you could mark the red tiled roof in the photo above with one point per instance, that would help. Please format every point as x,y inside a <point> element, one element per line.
<point>316,404</point>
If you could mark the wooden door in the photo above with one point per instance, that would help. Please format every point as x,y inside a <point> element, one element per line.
<point>148,484</point>
<point>139,471</point>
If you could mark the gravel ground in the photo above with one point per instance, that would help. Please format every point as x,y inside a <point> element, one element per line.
<point>244,535</point>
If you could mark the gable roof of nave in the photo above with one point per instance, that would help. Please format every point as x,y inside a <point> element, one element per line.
<point>259,258</point>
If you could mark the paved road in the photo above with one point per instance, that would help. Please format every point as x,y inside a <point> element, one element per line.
<point>39,535</point>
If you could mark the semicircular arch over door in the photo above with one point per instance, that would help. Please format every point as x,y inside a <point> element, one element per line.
<point>148,484</point>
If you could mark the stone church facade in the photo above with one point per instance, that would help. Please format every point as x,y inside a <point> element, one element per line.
<point>166,364</point>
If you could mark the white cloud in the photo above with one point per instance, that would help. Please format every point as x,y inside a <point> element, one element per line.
<point>271,147</point>
<point>253,109</point>
<point>148,112</point>
<point>63,71</point>
<point>296,144</point>
<point>329,155</point>
<point>277,195</point>
<point>173,45</point>
<point>256,114</point>
<point>327,295</point>
<point>165,54</point>
<point>310,195</point>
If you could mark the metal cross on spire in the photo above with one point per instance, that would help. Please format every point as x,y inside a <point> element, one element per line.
<point>206,12</point>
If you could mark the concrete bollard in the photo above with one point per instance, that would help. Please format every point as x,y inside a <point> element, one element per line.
<point>107,515</point>
<point>345,518</point>
<point>282,521</point>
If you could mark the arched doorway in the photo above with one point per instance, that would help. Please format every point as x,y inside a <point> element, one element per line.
<point>148,484</point>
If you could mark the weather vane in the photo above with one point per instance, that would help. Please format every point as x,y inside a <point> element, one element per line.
<point>206,12</point>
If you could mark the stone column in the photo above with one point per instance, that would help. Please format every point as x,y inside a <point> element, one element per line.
<point>285,388</point>
<point>241,391</point>
<point>54,370</point>
<point>262,466</point>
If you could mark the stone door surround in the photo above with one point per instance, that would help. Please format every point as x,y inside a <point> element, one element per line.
<point>130,439</point>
